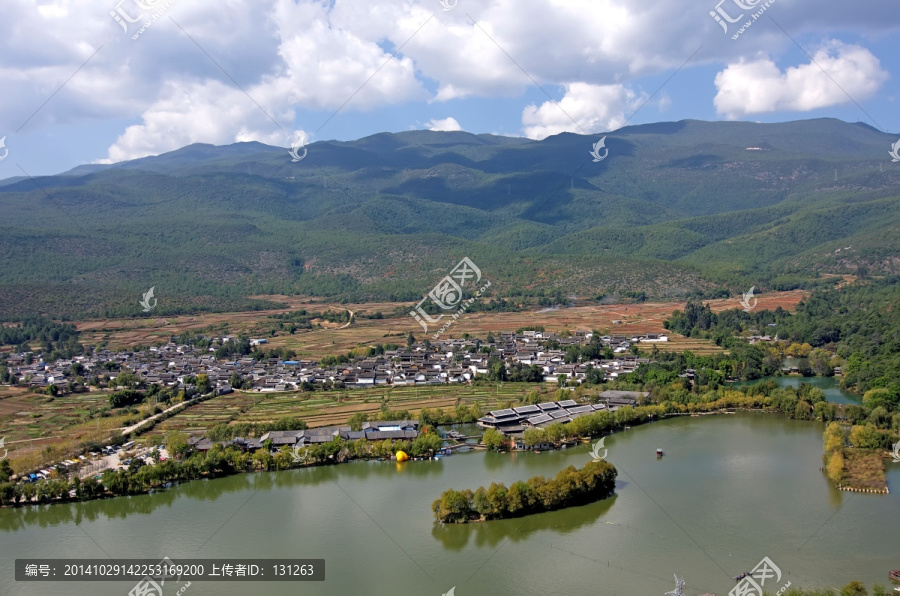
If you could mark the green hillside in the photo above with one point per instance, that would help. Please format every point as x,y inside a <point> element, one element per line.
<point>676,208</point>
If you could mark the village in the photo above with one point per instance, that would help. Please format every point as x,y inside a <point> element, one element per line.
<point>445,361</point>
<point>451,361</point>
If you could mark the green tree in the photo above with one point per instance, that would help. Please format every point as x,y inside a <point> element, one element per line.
<point>492,439</point>
<point>496,498</point>
<point>452,507</point>
<point>532,437</point>
<point>865,437</point>
<point>835,467</point>
<point>357,419</point>
<point>176,443</point>
<point>554,433</point>
<point>203,383</point>
<point>854,588</point>
<point>127,380</point>
<point>5,470</point>
<point>262,459</point>
<point>834,438</point>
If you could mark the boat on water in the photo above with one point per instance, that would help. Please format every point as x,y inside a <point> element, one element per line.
<point>738,578</point>
<point>659,453</point>
<point>895,575</point>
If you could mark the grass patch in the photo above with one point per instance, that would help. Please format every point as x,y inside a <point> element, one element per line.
<point>864,469</point>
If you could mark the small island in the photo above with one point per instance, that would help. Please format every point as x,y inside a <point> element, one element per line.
<point>571,487</point>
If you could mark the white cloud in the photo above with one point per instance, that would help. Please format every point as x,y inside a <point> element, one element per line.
<point>319,66</point>
<point>443,124</point>
<point>758,86</point>
<point>583,109</point>
<point>310,56</point>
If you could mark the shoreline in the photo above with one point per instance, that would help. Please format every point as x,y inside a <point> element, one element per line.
<point>335,461</point>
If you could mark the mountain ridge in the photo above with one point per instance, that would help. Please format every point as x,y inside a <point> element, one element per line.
<point>380,217</point>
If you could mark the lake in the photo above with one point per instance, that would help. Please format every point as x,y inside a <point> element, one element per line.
<point>829,385</point>
<point>730,490</point>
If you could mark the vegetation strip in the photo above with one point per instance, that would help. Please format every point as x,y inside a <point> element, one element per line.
<point>570,488</point>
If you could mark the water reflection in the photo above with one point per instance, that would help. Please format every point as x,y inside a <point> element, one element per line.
<point>492,533</point>
<point>207,490</point>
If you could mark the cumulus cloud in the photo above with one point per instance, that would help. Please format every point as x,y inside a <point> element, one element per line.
<point>297,57</point>
<point>206,113</point>
<point>319,67</point>
<point>759,86</point>
<point>513,44</point>
<point>446,124</point>
<point>583,109</point>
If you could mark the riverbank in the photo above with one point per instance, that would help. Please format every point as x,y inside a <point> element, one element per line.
<point>758,472</point>
<point>802,403</point>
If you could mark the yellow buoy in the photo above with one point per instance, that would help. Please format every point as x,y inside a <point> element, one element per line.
<point>401,456</point>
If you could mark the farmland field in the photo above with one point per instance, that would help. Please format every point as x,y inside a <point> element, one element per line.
<point>326,408</point>
<point>38,428</point>
<point>334,338</point>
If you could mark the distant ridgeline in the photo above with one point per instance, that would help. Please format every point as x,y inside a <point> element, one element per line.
<point>677,208</point>
<point>571,487</point>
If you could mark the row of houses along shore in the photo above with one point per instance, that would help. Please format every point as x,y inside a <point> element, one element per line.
<point>512,422</point>
<point>442,362</point>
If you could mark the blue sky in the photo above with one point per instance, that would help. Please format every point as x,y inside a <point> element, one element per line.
<point>80,86</point>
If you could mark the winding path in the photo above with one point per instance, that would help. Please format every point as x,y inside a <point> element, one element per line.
<point>351,319</point>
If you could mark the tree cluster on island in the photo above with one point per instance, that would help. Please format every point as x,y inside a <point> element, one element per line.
<point>569,488</point>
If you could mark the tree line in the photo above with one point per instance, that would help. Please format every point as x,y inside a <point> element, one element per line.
<point>569,488</point>
<point>189,464</point>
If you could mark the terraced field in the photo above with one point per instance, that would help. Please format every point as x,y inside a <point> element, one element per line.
<point>334,338</point>
<point>336,407</point>
<point>37,428</point>
<point>701,347</point>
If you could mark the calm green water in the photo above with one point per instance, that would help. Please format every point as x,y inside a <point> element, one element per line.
<point>730,490</point>
<point>829,385</point>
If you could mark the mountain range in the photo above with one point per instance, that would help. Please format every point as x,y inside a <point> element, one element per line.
<point>674,209</point>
